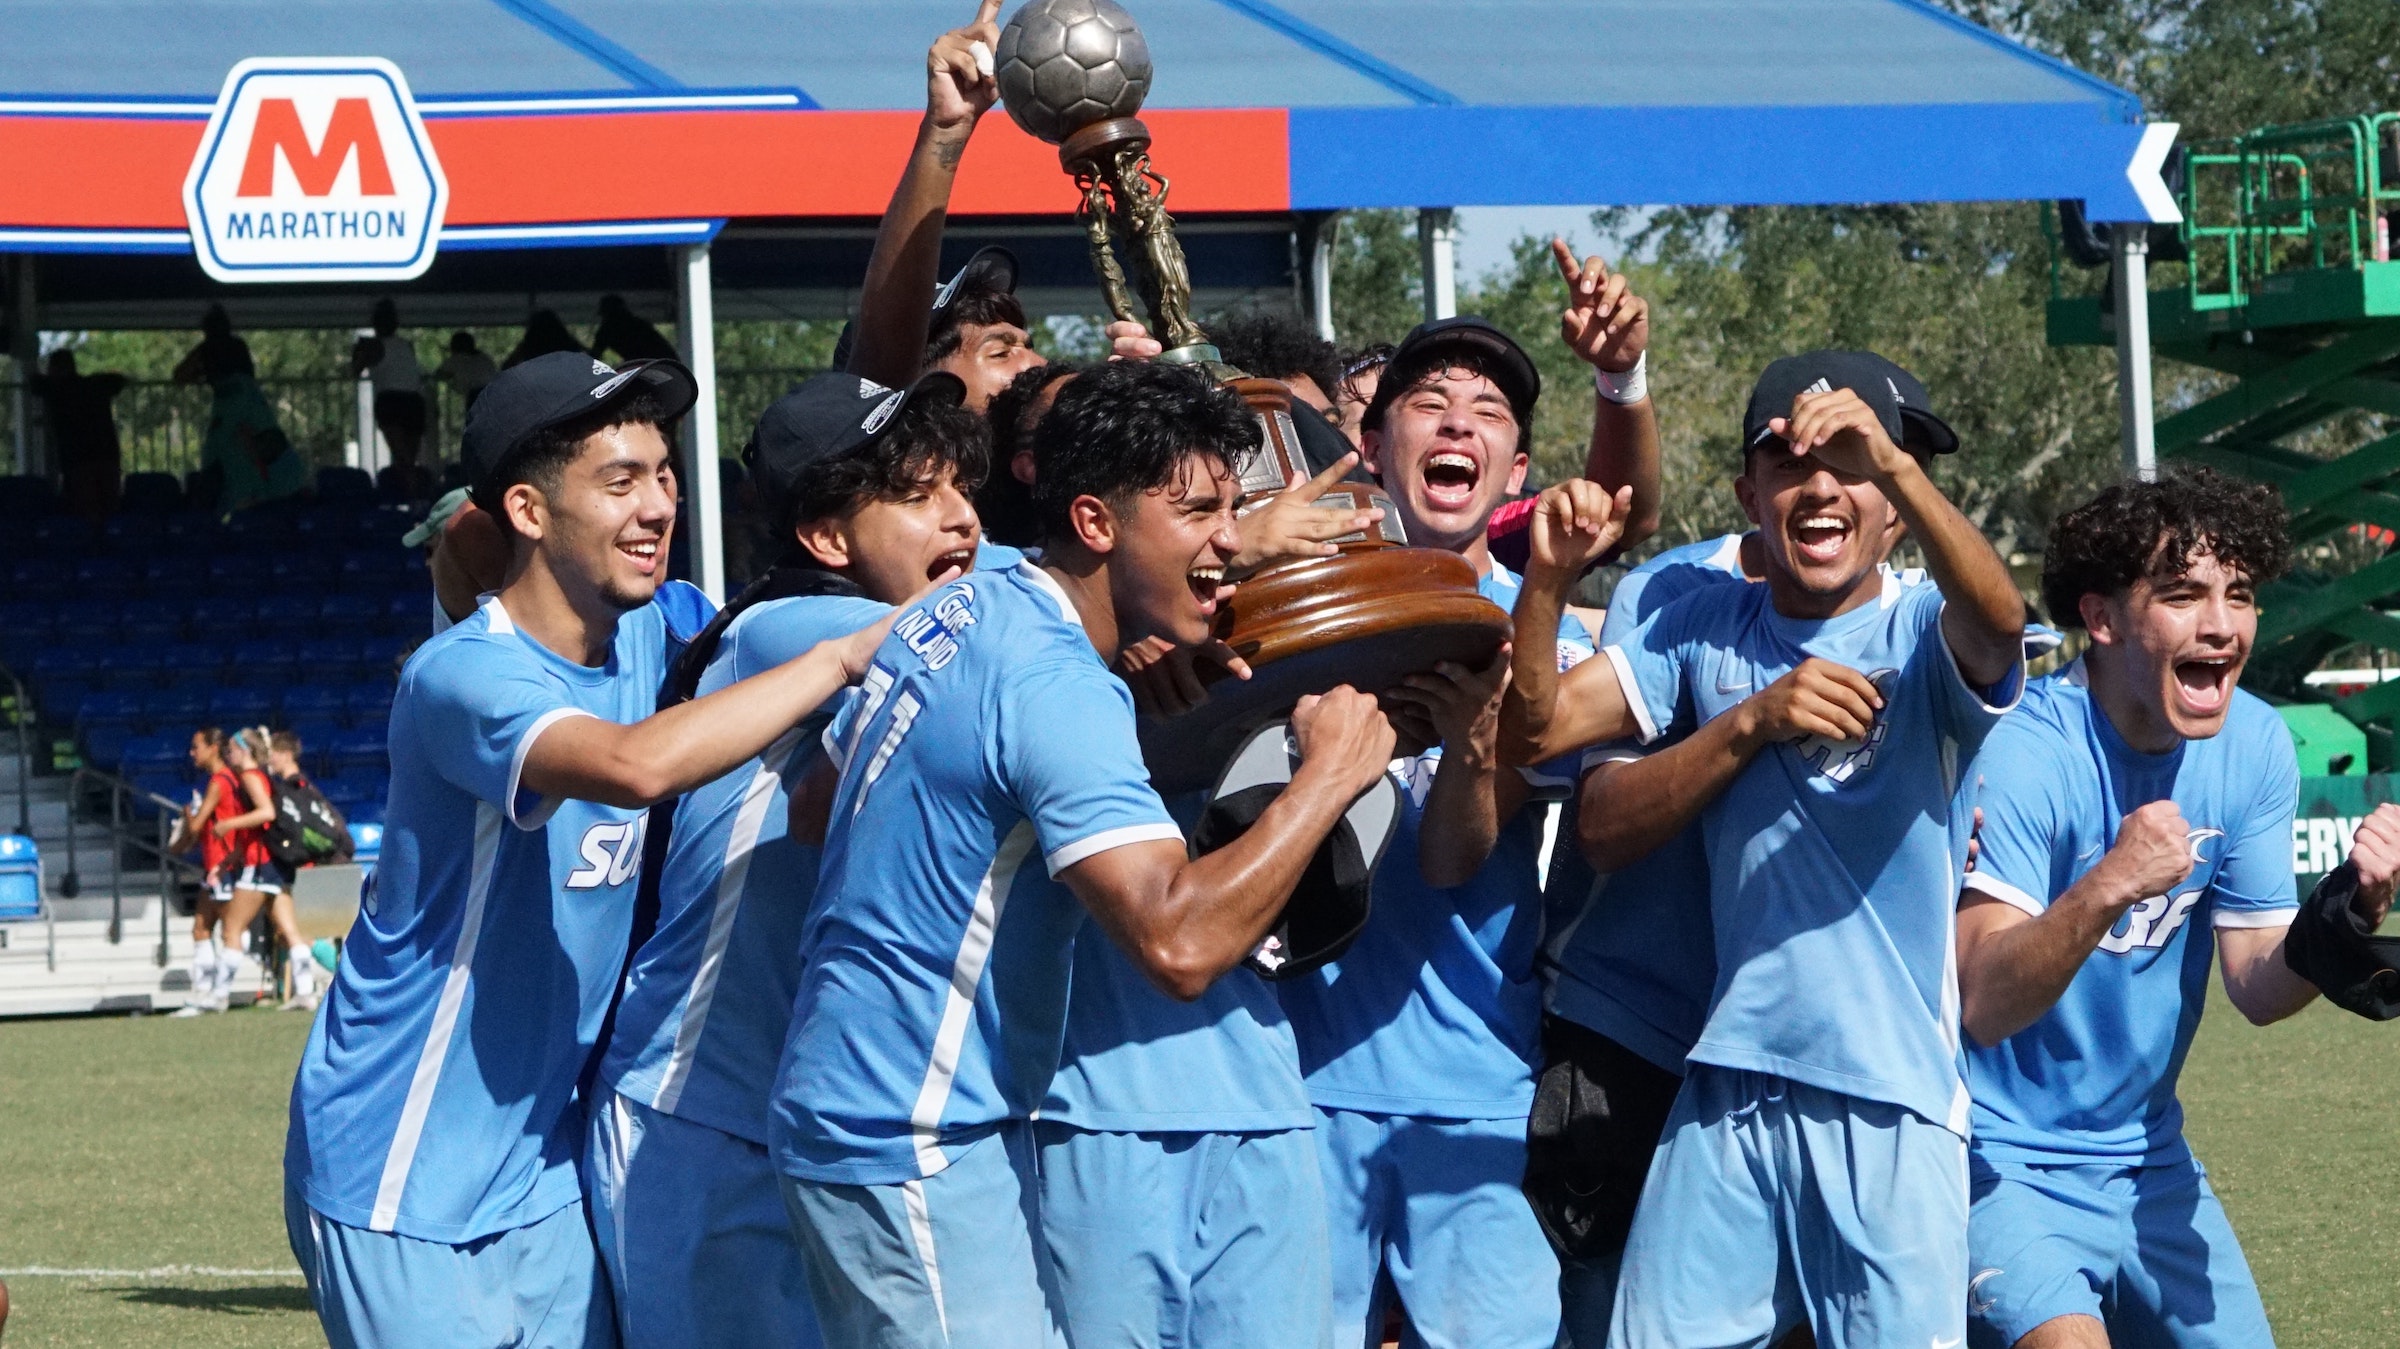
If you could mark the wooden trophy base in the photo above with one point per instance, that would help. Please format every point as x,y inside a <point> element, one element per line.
<point>1367,617</point>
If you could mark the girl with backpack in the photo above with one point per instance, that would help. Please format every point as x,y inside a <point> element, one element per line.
<point>307,976</point>
<point>214,964</point>
<point>258,878</point>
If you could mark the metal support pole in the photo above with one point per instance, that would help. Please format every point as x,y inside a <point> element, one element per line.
<point>695,323</point>
<point>1437,255</point>
<point>1317,231</point>
<point>166,878</point>
<point>116,866</point>
<point>2132,281</point>
<point>25,347</point>
<point>367,458</point>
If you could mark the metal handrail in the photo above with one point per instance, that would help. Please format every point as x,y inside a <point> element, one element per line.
<point>24,714</point>
<point>123,833</point>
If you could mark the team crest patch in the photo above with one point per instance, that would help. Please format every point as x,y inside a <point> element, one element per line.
<point>1842,760</point>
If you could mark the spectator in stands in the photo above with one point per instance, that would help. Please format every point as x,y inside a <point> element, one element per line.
<point>219,354</point>
<point>388,361</point>
<point>83,428</point>
<point>283,765</point>
<point>545,332</point>
<point>1360,375</point>
<point>256,877</point>
<point>629,335</point>
<point>245,457</point>
<point>212,976</point>
<point>466,368</point>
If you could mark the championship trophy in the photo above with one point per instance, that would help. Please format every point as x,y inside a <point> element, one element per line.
<point>1074,73</point>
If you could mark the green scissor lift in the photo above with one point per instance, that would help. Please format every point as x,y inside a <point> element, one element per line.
<point>2291,290</point>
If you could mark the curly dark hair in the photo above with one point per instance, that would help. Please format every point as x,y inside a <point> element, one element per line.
<point>1005,504</point>
<point>1372,357</point>
<point>977,308</point>
<point>1125,429</point>
<point>542,456</point>
<point>927,438</point>
<point>2138,529</point>
<point>1275,344</point>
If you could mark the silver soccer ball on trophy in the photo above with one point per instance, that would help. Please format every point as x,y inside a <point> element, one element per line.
<point>1065,64</point>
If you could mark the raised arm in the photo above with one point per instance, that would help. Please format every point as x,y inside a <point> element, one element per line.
<point>1632,806</point>
<point>895,302</point>
<point>1186,920</point>
<point>1607,326</point>
<point>637,765</point>
<point>2014,965</point>
<point>2260,985</point>
<point>1545,714</point>
<point>1983,616</point>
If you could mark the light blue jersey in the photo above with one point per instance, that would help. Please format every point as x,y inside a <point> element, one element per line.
<point>2094,1078</point>
<point>1434,1011</point>
<point>1630,954</point>
<point>1138,1061</point>
<point>437,1095</point>
<point>701,1026</point>
<point>1830,864</point>
<point>989,749</point>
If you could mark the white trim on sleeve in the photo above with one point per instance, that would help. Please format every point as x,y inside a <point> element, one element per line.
<point>1631,688</point>
<point>1092,845</point>
<point>2254,918</point>
<point>1992,887</point>
<point>2016,672</point>
<point>546,807</point>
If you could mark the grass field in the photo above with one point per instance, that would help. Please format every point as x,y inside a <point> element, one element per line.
<point>136,1152</point>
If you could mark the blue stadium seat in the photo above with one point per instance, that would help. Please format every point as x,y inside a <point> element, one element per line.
<point>152,611</point>
<point>315,700</point>
<point>366,812</point>
<point>25,496</point>
<point>96,627</point>
<point>330,658</point>
<point>151,494</point>
<point>359,750</point>
<point>176,787</point>
<point>65,535</point>
<point>193,529</point>
<point>339,482</point>
<point>266,651</point>
<point>20,879</point>
<point>349,615</point>
<point>106,579</point>
<point>370,704</point>
<point>224,612</point>
<point>157,754</point>
<point>115,705</point>
<point>289,612</point>
<point>104,743</point>
<point>175,709</point>
<point>388,521</point>
<point>63,657</point>
<point>41,578</point>
<point>347,791</point>
<point>381,655</point>
<point>232,708</point>
<point>131,667</point>
<point>316,730</point>
<point>240,573</point>
<point>366,842</point>
<point>24,629</point>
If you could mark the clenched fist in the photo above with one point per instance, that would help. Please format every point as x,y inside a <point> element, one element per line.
<point>2153,852</point>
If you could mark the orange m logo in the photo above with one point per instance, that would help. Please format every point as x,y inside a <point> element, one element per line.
<point>352,127</point>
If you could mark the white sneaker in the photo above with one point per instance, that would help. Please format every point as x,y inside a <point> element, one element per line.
<point>301,1002</point>
<point>187,1011</point>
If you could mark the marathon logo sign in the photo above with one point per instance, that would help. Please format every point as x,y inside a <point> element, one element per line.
<point>315,169</point>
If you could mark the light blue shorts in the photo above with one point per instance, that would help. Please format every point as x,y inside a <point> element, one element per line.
<point>1176,1240</point>
<point>2144,1249</point>
<point>1772,1203</point>
<point>693,1233</point>
<point>534,1287</point>
<point>1435,1208</point>
<point>949,1260</point>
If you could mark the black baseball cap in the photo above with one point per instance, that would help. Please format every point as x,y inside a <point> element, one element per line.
<point>990,269</point>
<point>1899,401</point>
<point>1429,344</point>
<point>560,387</point>
<point>829,416</point>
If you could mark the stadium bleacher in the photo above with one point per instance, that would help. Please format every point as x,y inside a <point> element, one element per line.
<point>131,634</point>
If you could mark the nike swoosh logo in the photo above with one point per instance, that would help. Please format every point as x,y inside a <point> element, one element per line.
<point>1726,683</point>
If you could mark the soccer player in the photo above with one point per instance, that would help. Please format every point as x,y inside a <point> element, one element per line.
<point>992,794</point>
<point>1628,963</point>
<point>1420,1042</point>
<point>1815,1159</point>
<point>2137,812</point>
<point>871,488</point>
<point>430,1172</point>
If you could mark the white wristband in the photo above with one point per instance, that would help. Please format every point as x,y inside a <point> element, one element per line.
<point>1630,386</point>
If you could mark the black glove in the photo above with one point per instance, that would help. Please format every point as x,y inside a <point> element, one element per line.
<point>2330,946</point>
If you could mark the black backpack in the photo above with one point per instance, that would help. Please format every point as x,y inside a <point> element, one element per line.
<point>307,828</point>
